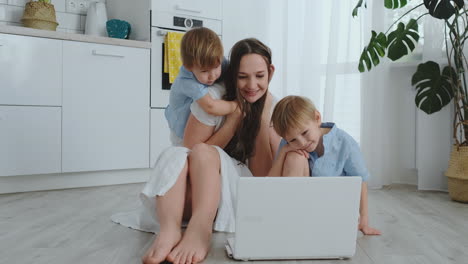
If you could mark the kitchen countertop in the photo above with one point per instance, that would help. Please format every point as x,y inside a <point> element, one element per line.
<point>24,31</point>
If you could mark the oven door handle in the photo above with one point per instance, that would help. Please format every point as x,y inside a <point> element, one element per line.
<point>161,32</point>
<point>180,8</point>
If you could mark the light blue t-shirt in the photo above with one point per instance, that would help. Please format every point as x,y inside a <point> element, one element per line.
<point>342,155</point>
<point>185,90</point>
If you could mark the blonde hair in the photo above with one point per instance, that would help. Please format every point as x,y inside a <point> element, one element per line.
<point>201,47</point>
<point>292,112</point>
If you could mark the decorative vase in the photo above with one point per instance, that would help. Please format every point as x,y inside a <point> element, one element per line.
<point>457,174</point>
<point>118,29</point>
<point>96,19</point>
<point>39,15</point>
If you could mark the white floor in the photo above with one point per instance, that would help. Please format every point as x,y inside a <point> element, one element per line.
<point>73,226</point>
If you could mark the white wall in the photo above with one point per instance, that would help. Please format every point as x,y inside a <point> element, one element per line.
<point>246,19</point>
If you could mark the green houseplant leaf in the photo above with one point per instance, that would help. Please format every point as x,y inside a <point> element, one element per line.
<point>434,90</point>
<point>394,4</point>
<point>370,54</point>
<point>402,39</point>
<point>359,4</point>
<point>442,9</point>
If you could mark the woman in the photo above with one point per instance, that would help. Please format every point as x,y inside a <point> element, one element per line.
<point>203,193</point>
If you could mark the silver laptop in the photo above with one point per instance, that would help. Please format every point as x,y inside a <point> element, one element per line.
<point>295,218</point>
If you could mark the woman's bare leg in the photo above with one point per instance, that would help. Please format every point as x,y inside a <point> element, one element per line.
<point>169,209</point>
<point>295,165</point>
<point>206,192</point>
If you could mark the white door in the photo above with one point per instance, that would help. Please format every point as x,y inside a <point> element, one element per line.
<point>30,71</point>
<point>159,134</point>
<point>30,140</point>
<point>105,107</point>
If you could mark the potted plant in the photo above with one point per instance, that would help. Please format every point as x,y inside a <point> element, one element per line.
<point>40,15</point>
<point>435,88</point>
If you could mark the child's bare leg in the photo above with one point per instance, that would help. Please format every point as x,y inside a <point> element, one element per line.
<point>170,209</point>
<point>295,165</point>
<point>206,191</point>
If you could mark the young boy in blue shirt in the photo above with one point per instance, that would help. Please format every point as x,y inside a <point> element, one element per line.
<point>203,63</point>
<point>312,148</point>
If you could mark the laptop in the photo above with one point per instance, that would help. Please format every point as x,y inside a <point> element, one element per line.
<point>295,218</point>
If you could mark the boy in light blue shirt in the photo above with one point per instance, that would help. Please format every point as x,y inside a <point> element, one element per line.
<point>312,148</point>
<point>203,63</point>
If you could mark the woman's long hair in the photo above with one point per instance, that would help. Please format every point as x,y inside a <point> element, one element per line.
<point>242,145</point>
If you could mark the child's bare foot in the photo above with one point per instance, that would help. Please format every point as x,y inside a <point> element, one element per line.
<point>194,245</point>
<point>162,246</point>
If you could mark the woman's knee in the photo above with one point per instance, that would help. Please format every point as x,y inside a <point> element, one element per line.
<point>294,158</point>
<point>295,164</point>
<point>203,151</point>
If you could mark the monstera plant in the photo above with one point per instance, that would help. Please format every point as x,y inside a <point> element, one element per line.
<point>436,86</point>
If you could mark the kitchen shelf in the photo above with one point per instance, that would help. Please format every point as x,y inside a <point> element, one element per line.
<point>7,29</point>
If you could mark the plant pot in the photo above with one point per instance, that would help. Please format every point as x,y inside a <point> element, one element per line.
<point>39,15</point>
<point>457,174</point>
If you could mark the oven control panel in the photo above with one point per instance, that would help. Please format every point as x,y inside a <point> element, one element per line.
<point>187,22</point>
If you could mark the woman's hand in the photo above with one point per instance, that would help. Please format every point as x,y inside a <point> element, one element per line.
<point>365,228</point>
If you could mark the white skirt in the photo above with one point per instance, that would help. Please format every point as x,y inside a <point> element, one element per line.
<point>164,175</point>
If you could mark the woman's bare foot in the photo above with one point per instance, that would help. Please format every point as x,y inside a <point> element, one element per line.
<point>162,246</point>
<point>194,245</point>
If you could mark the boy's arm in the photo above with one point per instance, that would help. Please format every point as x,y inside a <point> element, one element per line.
<point>364,214</point>
<point>216,107</point>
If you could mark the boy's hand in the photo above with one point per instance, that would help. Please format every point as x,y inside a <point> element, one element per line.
<point>366,229</point>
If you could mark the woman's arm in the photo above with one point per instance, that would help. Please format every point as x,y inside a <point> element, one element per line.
<point>275,140</point>
<point>277,167</point>
<point>262,161</point>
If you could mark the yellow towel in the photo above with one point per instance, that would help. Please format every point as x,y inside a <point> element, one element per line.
<point>172,59</point>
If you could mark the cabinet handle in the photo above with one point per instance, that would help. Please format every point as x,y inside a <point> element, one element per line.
<point>97,53</point>
<point>180,8</point>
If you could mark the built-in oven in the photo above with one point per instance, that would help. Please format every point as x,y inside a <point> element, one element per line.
<point>162,23</point>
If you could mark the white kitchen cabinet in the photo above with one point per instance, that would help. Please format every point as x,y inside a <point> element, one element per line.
<point>30,71</point>
<point>159,134</point>
<point>200,8</point>
<point>30,140</point>
<point>105,107</point>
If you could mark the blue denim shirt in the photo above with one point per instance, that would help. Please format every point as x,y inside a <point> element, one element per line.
<point>342,155</point>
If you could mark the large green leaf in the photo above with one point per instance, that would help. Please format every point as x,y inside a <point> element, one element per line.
<point>394,4</point>
<point>370,54</point>
<point>434,90</point>
<point>402,39</point>
<point>443,9</point>
<point>359,4</point>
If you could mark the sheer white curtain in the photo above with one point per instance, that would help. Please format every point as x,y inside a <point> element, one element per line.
<point>318,44</point>
<point>316,47</point>
<point>403,144</point>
